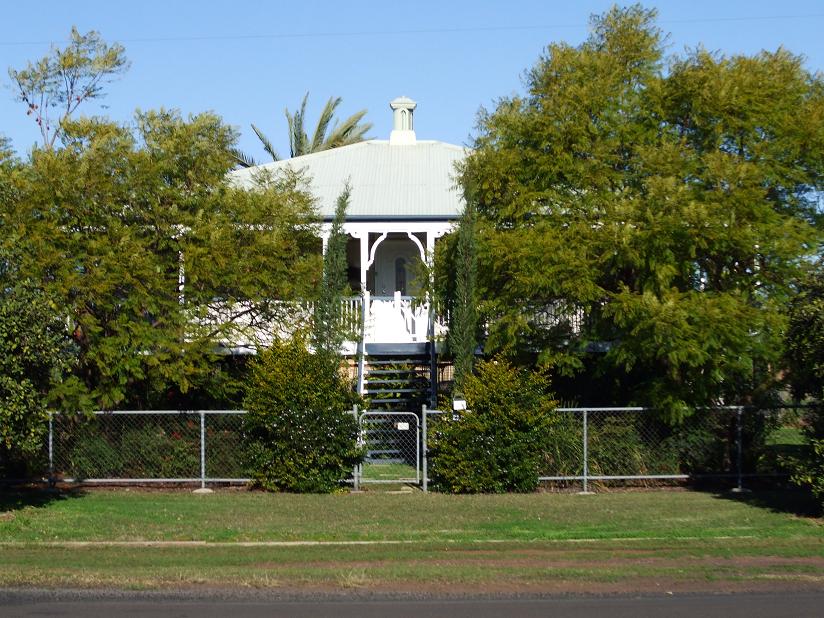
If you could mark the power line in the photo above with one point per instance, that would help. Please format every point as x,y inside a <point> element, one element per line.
<point>366,33</point>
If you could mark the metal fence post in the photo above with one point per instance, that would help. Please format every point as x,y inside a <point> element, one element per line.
<point>739,447</point>
<point>586,453</point>
<point>202,450</point>
<point>423,451</point>
<point>356,469</point>
<point>51,449</point>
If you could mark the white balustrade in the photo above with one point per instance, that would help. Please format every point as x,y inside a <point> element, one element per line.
<point>388,319</point>
<point>396,319</point>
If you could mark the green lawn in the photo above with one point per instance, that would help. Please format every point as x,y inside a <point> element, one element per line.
<point>508,542</point>
<point>787,435</point>
<point>388,472</point>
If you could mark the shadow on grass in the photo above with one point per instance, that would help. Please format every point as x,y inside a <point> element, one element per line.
<point>17,498</point>
<point>791,500</point>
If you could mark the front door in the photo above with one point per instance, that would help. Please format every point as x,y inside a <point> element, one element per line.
<point>394,268</point>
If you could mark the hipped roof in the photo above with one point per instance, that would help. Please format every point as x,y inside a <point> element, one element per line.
<point>388,182</point>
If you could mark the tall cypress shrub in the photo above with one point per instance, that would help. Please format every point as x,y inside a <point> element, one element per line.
<point>328,331</point>
<point>463,324</point>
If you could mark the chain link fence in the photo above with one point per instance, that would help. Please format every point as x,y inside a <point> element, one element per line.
<point>638,444</point>
<point>589,446</point>
<point>641,446</point>
<point>164,446</point>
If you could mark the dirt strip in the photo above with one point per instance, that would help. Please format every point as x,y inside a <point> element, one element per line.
<point>151,543</point>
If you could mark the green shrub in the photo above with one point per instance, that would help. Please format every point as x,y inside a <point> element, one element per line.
<point>616,446</point>
<point>225,447</point>
<point>700,442</point>
<point>808,465</point>
<point>500,443</point>
<point>169,449</point>
<point>299,431</point>
<point>141,447</point>
<point>809,471</point>
<point>94,457</point>
<point>564,447</point>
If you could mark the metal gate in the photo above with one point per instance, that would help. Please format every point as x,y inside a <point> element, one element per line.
<point>392,441</point>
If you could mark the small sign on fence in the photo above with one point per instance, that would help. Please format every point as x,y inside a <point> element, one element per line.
<point>402,426</point>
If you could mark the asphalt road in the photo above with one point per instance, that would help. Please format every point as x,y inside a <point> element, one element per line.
<point>119,605</point>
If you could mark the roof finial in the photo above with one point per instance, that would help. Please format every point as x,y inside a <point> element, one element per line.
<point>403,129</point>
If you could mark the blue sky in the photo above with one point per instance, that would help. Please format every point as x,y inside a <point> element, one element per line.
<point>247,61</point>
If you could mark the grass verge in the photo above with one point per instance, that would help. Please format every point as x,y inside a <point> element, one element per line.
<point>539,542</point>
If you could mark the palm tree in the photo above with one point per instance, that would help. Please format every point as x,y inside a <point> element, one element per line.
<point>350,131</point>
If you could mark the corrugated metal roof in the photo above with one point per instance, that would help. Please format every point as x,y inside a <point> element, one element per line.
<point>416,180</point>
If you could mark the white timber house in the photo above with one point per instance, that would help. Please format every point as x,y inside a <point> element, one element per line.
<point>404,197</point>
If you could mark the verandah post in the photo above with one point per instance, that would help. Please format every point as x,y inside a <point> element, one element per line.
<point>365,302</point>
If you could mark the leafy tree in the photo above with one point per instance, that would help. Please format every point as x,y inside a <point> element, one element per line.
<point>61,81</point>
<point>328,331</point>
<point>350,131</point>
<point>36,353</point>
<point>6,154</point>
<point>8,166</point>
<point>35,350</point>
<point>300,432</point>
<point>668,204</point>
<point>153,256</point>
